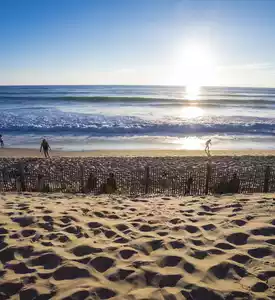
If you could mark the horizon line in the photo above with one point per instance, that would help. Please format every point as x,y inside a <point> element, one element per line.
<point>136,85</point>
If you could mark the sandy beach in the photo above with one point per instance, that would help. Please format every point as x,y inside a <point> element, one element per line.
<point>137,150</point>
<point>78,247</point>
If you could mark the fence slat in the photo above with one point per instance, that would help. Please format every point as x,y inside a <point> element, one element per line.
<point>22,177</point>
<point>208,174</point>
<point>82,183</point>
<point>266,179</point>
<point>147,178</point>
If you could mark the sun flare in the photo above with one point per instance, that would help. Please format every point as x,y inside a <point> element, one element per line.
<point>195,68</point>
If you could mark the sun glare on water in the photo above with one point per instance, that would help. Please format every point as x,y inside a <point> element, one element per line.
<point>191,112</point>
<point>192,92</point>
<point>189,143</point>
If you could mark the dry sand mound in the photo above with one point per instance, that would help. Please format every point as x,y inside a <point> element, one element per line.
<point>81,247</point>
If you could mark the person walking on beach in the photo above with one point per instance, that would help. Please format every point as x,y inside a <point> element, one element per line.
<point>46,147</point>
<point>207,149</point>
<point>1,141</point>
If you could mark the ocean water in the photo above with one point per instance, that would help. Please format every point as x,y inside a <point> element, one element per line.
<point>137,117</point>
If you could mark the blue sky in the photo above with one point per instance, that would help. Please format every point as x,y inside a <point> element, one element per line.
<point>194,42</point>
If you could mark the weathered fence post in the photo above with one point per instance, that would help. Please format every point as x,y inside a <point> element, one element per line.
<point>208,174</point>
<point>22,177</point>
<point>266,179</point>
<point>82,184</point>
<point>1,181</point>
<point>147,179</point>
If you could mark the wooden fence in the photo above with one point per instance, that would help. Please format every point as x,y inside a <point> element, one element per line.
<point>202,180</point>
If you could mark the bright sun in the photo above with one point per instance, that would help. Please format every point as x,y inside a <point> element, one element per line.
<point>195,68</point>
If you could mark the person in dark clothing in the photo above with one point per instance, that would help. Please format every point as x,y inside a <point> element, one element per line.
<point>41,186</point>
<point>46,147</point>
<point>91,183</point>
<point>164,181</point>
<point>111,186</point>
<point>222,186</point>
<point>1,141</point>
<point>188,185</point>
<point>234,184</point>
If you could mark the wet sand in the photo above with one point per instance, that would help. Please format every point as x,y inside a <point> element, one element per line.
<point>14,152</point>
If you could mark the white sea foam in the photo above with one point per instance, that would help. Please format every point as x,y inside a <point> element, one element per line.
<point>134,117</point>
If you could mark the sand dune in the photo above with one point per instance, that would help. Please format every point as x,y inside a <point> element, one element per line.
<point>78,247</point>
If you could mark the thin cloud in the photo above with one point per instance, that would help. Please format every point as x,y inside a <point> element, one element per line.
<point>251,66</point>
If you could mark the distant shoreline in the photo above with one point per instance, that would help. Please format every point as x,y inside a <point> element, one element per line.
<point>23,152</point>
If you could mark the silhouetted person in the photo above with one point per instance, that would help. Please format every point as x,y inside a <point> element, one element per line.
<point>110,186</point>
<point>91,183</point>
<point>46,147</point>
<point>164,181</point>
<point>188,185</point>
<point>40,186</point>
<point>18,184</point>
<point>207,149</point>
<point>1,141</point>
<point>222,186</point>
<point>234,184</point>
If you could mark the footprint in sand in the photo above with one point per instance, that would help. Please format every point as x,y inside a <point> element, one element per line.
<point>24,221</point>
<point>83,250</point>
<point>102,263</point>
<point>259,252</point>
<point>70,272</point>
<point>238,238</point>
